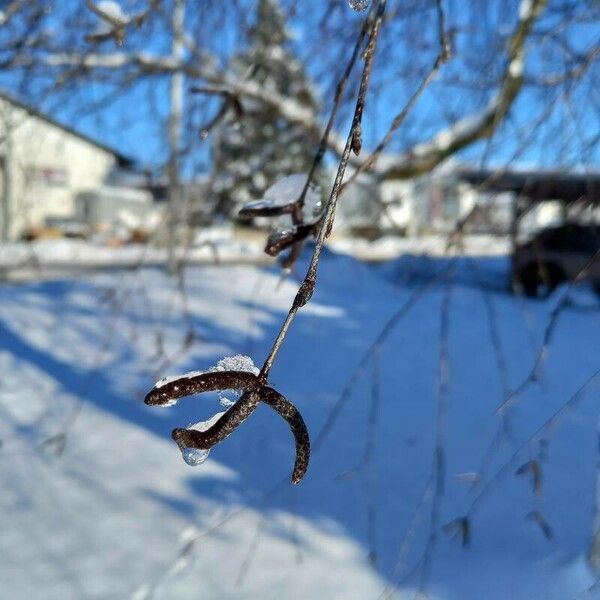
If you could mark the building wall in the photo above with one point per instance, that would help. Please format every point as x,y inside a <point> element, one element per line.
<point>46,168</point>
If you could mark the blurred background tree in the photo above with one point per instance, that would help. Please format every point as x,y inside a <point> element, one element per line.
<point>252,150</point>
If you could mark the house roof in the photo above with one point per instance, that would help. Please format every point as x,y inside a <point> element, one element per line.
<point>565,186</point>
<point>122,159</point>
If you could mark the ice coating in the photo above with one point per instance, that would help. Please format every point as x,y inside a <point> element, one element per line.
<point>170,402</point>
<point>239,362</point>
<point>196,456</point>
<point>161,382</point>
<point>226,402</point>
<point>288,189</point>
<point>205,425</point>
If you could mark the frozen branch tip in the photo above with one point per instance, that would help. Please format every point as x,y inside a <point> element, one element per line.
<point>239,374</point>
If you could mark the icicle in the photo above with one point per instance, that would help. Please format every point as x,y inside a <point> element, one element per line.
<point>196,456</point>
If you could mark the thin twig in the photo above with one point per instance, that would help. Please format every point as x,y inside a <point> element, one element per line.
<point>442,57</point>
<point>364,361</point>
<point>307,287</point>
<point>438,472</point>
<point>534,373</point>
<point>541,432</point>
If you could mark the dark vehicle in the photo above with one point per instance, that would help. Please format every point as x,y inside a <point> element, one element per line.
<point>555,255</point>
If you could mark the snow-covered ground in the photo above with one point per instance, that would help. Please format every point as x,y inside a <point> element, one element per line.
<point>43,258</point>
<point>116,513</point>
<point>222,245</point>
<point>391,246</point>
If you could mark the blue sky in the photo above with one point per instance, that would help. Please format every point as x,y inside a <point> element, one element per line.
<point>134,123</point>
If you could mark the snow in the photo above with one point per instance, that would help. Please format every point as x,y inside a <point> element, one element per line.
<point>225,402</point>
<point>205,425</point>
<point>21,260</point>
<point>390,246</point>
<point>239,362</point>
<point>171,378</point>
<point>112,12</point>
<point>78,356</point>
<point>525,10</point>
<point>358,5</point>
<point>286,191</point>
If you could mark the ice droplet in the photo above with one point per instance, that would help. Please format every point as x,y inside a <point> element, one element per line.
<point>358,5</point>
<point>194,456</point>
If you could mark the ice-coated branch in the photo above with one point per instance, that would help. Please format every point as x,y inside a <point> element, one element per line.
<point>256,388</point>
<point>225,426</point>
<point>167,391</point>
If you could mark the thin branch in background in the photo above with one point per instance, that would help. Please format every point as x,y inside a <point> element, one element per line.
<point>253,303</point>
<point>371,350</point>
<point>230,104</point>
<point>294,528</point>
<point>442,57</point>
<point>561,306</point>
<point>542,432</point>
<point>423,157</point>
<point>501,366</point>
<point>401,573</point>
<point>294,239</point>
<point>146,591</point>
<point>115,21</point>
<point>438,472</point>
<point>252,548</point>
<point>367,461</point>
<point>259,531</point>
<point>434,488</point>
<point>56,443</point>
<point>365,466</point>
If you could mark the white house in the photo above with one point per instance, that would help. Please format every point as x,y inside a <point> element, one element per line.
<point>44,166</point>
